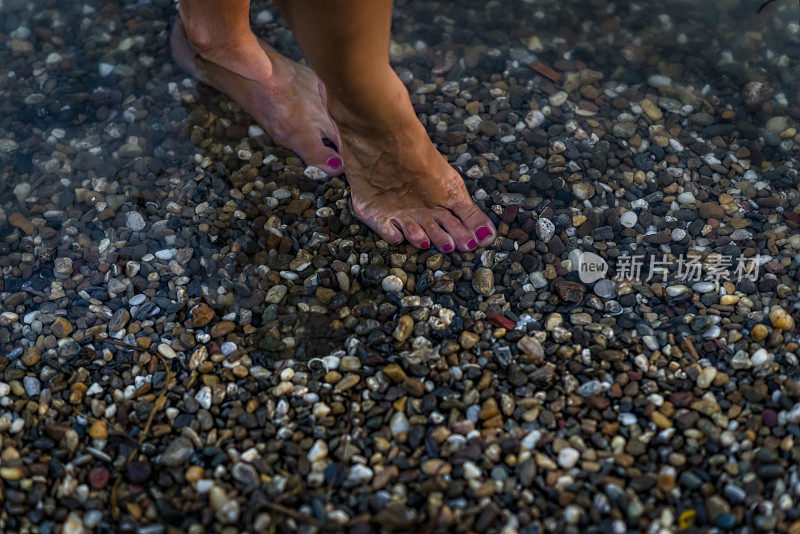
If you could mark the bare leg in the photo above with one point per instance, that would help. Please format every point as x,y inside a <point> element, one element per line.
<point>213,41</point>
<point>401,185</point>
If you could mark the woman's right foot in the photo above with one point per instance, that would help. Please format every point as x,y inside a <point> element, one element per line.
<point>281,95</point>
<point>401,186</point>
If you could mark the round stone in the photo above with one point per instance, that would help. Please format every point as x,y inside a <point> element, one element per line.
<point>628,219</point>
<point>605,288</point>
<point>392,283</point>
<point>568,457</point>
<point>135,221</point>
<point>483,281</point>
<point>703,287</point>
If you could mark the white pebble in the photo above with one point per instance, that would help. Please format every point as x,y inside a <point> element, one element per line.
<point>392,283</point>
<point>659,80</point>
<point>703,287</point>
<point>678,234</point>
<point>545,229</point>
<point>759,357</point>
<point>255,131</point>
<point>203,397</point>
<point>534,118</point>
<point>399,424</point>
<point>628,219</point>
<point>568,457</point>
<point>315,173</point>
<point>359,474</point>
<point>318,451</point>
<point>529,442</point>
<point>558,99</point>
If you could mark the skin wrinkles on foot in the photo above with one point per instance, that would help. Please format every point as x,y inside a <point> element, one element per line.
<point>401,186</point>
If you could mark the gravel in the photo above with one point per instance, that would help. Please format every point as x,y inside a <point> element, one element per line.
<point>190,315</point>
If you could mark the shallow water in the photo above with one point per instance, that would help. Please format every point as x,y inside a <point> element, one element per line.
<point>145,222</point>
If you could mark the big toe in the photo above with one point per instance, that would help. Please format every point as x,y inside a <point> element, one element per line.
<point>317,154</point>
<point>477,222</point>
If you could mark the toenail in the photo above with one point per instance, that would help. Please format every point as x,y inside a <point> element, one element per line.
<point>335,163</point>
<point>424,244</point>
<point>483,232</point>
<point>447,248</point>
<point>472,244</point>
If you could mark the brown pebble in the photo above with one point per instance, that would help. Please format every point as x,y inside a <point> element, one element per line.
<point>202,315</point>
<point>61,328</point>
<point>467,339</point>
<point>98,430</point>
<point>31,356</point>
<point>395,372</point>
<point>19,220</point>
<point>222,328</point>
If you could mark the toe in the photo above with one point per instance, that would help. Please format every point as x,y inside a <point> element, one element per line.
<point>460,234</point>
<point>415,234</point>
<point>322,157</point>
<point>388,232</point>
<point>387,229</point>
<point>477,222</point>
<point>439,238</point>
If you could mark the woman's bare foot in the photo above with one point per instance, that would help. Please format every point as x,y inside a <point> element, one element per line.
<point>401,186</point>
<point>281,95</point>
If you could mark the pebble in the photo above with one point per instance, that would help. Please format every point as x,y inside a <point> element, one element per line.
<point>370,386</point>
<point>703,287</point>
<point>568,457</point>
<point>558,98</point>
<point>359,474</point>
<point>135,221</point>
<point>483,281</point>
<point>319,451</point>
<point>32,386</point>
<point>392,283</point>
<point>659,81</point>
<point>399,424</point>
<point>545,229</point>
<point>628,219</point>
<point>779,318</point>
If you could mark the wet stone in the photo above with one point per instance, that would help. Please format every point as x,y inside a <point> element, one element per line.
<point>189,307</point>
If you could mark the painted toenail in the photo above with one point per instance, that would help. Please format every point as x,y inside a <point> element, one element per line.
<point>472,244</point>
<point>447,248</point>
<point>335,163</point>
<point>483,232</point>
<point>424,244</point>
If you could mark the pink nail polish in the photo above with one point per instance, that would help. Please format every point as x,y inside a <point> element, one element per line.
<point>335,163</point>
<point>483,232</point>
<point>424,244</point>
<point>448,247</point>
<point>472,244</point>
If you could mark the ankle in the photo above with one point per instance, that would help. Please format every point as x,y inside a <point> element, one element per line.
<point>208,40</point>
<point>380,105</point>
<point>241,54</point>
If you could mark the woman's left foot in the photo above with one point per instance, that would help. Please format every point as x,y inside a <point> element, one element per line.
<point>281,95</point>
